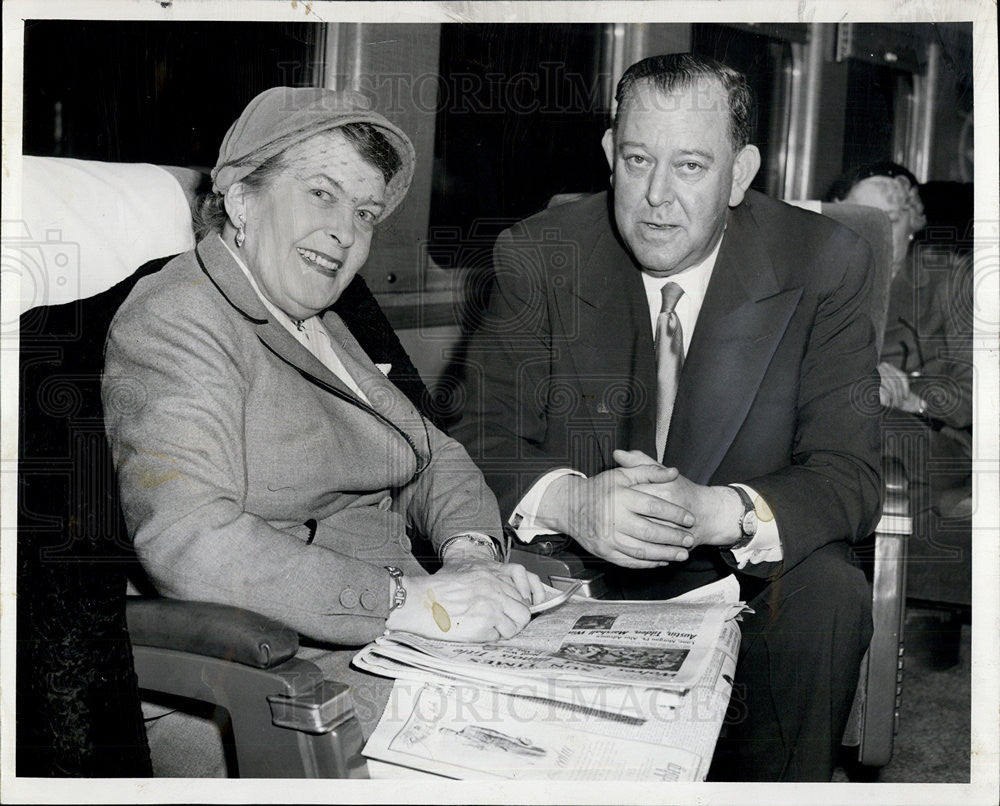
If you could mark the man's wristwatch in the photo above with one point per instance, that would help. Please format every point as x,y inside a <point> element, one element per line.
<point>748,520</point>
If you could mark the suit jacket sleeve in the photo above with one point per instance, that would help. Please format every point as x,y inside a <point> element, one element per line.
<point>173,392</point>
<point>831,488</point>
<point>946,375</point>
<point>450,497</point>
<point>506,375</point>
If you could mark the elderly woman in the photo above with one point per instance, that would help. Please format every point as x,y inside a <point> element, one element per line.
<point>892,189</point>
<point>926,361</point>
<point>264,460</point>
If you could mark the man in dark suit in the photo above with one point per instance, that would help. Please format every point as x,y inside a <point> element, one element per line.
<point>689,321</point>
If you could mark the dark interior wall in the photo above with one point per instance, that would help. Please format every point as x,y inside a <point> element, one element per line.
<point>157,92</point>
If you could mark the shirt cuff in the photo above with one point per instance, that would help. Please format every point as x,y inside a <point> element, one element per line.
<point>766,544</point>
<point>523,517</point>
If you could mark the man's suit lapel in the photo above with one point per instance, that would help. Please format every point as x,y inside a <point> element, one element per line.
<point>742,320</point>
<point>605,323</point>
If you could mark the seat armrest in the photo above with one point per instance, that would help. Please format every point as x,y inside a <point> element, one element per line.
<point>287,721</point>
<point>894,475</point>
<point>212,630</point>
<point>874,717</point>
<point>557,562</point>
<point>896,516</point>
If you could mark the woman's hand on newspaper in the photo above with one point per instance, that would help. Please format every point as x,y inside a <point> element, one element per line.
<point>473,602</point>
<point>528,585</point>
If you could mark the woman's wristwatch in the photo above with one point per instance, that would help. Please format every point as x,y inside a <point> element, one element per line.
<point>399,592</point>
<point>476,539</point>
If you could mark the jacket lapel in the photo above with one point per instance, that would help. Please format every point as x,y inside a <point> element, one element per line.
<point>603,316</point>
<point>742,319</point>
<point>387,404</point>
<point>228,278</point>
<point>383,395</point>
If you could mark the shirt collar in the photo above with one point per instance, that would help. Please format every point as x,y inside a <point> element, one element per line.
<point>692,280</point>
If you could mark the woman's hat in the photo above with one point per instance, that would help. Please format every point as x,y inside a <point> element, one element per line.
<point>283,116</point>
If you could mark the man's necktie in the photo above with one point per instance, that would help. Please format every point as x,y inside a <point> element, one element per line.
<point>669,344</point>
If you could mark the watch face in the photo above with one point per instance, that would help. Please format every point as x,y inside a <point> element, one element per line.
<point>750,523</point>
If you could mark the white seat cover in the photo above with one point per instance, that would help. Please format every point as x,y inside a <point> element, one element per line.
<point>87,225</point>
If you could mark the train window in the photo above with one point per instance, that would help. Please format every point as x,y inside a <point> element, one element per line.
<point>523,122</point>
<point>877,114</point>
<point>908,94</point>
<point>529,104</point>
<point>764,55</point>
<point>160,92</point>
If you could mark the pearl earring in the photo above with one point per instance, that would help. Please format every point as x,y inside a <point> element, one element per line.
<point>241,233</point>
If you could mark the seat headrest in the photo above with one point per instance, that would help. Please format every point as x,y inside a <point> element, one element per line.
<point>86,225</point>
<point>873,225</point>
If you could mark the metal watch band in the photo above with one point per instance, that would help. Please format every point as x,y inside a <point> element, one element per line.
<point>480,540</point>
<point>399,593</point>
<point>748,507</point>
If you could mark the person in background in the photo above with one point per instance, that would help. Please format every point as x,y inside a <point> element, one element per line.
<point>926,362</point>
<point>264,460</point>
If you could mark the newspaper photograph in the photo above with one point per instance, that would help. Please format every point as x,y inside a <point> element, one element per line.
<point>586,641</point>
<point>468,731</point>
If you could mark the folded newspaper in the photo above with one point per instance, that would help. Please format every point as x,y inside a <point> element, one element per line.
<point>590,690</point>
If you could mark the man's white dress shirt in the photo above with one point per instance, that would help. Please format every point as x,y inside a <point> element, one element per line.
<point>766,544</point>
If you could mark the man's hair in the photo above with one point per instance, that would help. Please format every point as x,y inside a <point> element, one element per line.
<point>682,70</point>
